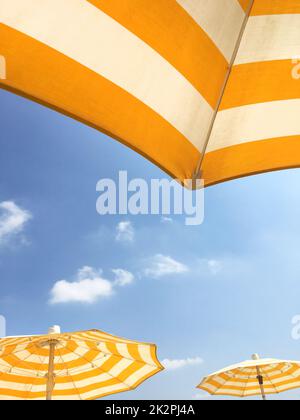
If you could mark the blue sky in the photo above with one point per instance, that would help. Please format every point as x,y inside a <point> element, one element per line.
<point>233,285</point>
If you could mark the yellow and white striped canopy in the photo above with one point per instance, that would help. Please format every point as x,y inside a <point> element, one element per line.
<point>241,380</point>
<point>87,365</point>
<point>155,75</point>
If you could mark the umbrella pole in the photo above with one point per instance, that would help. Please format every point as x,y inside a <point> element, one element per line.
<point>50,376</point>
<point>261,383</point>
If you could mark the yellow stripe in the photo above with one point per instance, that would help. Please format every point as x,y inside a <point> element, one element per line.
<point>134,352</point>
<point>244,4</point>
<point>153,351</point>
<point>261,82</point>
<point>169,30</point>
<point>13,360</point>
<point>8,377</point>
<point>110,363</point>
<point>44,351</point>
<point>275,7</point>
<point>64,85</point>
<point>8,350</point>
<point>20,394</point>
<point>139,382</point>
<point>251,158</point>
<point>112,348</point>
<point>130,370</point>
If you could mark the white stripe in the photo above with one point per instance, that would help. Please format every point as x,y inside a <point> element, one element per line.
<point>104,349</point>
<point>270,37</point>
<point>255,122</point>
<point>15,386</point>
<point>138,375</point>
<point>106,47</point>
<point>145,353</point>
<point>97,379</point>
<point>117,369</point>
<point>123,350</point>
<point>220,19</point>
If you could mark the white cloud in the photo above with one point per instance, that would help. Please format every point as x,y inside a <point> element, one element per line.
<point>161,265</point>
<point>89,286</point>
<point>12,220</point>
<point>125,232</point>
<point>123,277</point>
<point>174,364</point>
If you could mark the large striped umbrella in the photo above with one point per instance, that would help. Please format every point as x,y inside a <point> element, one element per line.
<point>254,377</point>
<point>189,84</point>
<point>73,366</point>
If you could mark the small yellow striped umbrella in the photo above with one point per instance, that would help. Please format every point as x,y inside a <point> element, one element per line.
<point>73,366</point>
<point>254,377</point>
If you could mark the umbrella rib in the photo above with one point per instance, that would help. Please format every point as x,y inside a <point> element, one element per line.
<point>245,389</point>
<point>74,383</point>
<point>267,376</point>
<point>219,387</point>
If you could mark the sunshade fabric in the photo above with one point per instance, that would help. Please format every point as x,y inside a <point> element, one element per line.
<point>87,365</point>
<point>258,127</point>
<point>151,75</point>
<point>241,380</point>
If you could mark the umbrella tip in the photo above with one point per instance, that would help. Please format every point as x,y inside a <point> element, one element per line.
<point>255,357</point>
<point>55,329</point>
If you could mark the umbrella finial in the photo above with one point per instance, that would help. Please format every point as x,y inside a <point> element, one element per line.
<point>255,357</point>
<point>54,330</point>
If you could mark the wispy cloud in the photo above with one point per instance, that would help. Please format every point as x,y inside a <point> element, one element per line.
<point>123,277</point>
<point>13,220</point>
<point>125,232</point>
<point>174,364</point>
<point>161,266</point>
<point>89,286</point>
